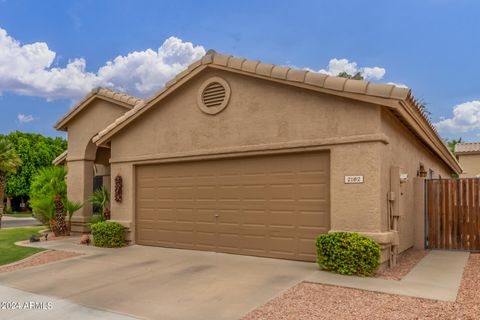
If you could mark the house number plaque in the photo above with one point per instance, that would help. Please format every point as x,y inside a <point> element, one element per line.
<point>353,179</point>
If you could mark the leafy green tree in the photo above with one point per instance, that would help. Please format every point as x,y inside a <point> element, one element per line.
<point>9,162</point>
<point>356,76</point>
<point>36,152</point>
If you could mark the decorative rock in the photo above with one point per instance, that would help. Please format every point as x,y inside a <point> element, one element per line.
<point>85,239</point>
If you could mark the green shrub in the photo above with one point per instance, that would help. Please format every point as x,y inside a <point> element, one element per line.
<point>108,234</point>
<point>347,253</point>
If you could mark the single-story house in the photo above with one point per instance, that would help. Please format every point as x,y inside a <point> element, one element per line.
<point>468,155</point>
<point>244,157</point>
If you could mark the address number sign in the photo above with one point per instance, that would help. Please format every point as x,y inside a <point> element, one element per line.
<point>353,179</point>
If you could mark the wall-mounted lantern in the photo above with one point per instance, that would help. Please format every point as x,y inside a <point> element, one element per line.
<point>422,173</point>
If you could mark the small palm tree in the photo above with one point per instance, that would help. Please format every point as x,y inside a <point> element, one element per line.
<point>44,211</point>
<point>452,143</point>
<point>50,182</point>
<point>71,207</point>
<point>9,162</point>
<point>101,198</point>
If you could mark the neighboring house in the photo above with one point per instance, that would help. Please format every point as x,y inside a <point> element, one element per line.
<point>468,155</point>
<point>250,158</point>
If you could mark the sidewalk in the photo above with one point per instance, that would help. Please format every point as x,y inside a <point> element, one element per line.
<point>437,276</point>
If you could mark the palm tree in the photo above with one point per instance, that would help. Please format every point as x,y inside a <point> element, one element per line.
<point>9,162</point>
<point>71,207</point>
<point>44,211</point>
<point>101,198</point>
<point>50,183</point>
<point>452,143</point>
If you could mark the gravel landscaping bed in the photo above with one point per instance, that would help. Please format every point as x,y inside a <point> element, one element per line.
<point>315,301</point>
<point>38,259</point>
<point>406,261</point>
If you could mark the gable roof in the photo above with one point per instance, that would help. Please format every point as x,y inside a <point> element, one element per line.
<point>398,99</point>
<point>467,147</point>
<point>119,98</point>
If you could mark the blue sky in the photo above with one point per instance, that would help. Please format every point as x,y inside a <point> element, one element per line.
<point>53,52</point>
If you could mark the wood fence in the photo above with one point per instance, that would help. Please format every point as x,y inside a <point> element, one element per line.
<point>453,214</point>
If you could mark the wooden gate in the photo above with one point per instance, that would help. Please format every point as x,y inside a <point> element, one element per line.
<point>453,214</point>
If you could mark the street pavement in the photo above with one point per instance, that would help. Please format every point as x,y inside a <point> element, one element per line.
<point>11,222</point>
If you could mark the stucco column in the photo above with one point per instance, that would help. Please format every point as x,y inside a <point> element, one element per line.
<point>80,188</point>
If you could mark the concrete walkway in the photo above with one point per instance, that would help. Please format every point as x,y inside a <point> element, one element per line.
<point>437,276</point>
<point>28,306</point>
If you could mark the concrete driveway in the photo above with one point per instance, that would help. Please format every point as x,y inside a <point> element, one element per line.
<point>160,283</point>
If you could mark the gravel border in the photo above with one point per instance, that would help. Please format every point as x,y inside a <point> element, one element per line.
<point>406,261</point>
<point>307,301</point>
<point>39,258</point>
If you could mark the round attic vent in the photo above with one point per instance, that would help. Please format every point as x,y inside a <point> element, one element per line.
<point>213,95</point>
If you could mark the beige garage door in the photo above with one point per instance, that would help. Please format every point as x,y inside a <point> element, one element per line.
<point>269,206</point>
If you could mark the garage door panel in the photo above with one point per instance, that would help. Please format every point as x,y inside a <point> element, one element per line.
<point>312,219</point>
<point>254,217</point>
<point>271,206</point>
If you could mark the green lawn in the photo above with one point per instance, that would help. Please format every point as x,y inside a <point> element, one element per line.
<point>9,252</point>
<point>19,215</point>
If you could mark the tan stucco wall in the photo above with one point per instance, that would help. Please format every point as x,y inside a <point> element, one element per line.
<point>81,129</point>
<point>82,153</point>
<point>262,115</point>
<point>470,164</point>
<point>407,152</point>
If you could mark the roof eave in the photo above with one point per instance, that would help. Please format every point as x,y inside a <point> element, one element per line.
<point>429,135</point>
<point>60,159</point>
<point>61,124</point>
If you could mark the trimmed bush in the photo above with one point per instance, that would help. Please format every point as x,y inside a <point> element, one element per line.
<point>108,234</point>
<point>347,253</point>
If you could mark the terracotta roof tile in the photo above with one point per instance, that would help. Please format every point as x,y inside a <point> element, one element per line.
<point>264,69</point>
<point>356,86</point>
<point>250,66</point>
<point>380,90</point>
<point>236,63</point>
<point>316,79</point>
<point>221,59</point>
<point>280,72</point>
<point>335,83</point>
<point>296,75</point>
<point>467,147</point>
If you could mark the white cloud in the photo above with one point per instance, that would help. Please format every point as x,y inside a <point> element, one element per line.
<point>336,66</point>
<point>375,73</point>
<point>400,85</point>
<point>27,69</point>
<point>466,117</point>
<point>23,118</point>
